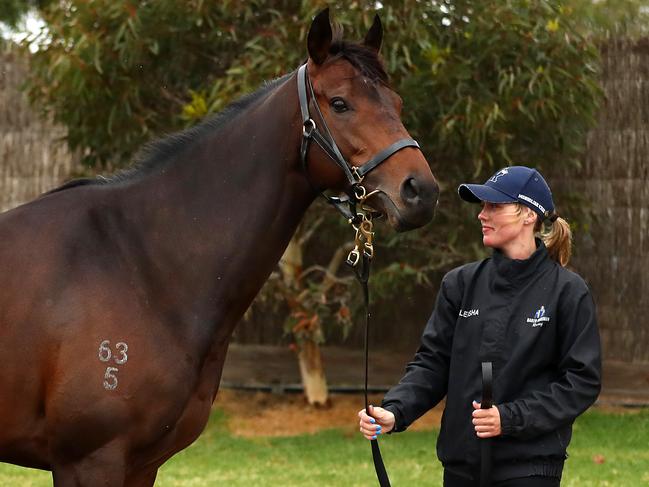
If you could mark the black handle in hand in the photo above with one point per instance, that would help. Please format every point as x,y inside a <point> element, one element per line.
<point>485,443</point>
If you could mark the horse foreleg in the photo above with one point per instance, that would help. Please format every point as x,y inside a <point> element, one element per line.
<point>104,467</point>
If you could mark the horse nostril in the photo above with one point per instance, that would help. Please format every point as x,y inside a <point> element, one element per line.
<point>410,190</point>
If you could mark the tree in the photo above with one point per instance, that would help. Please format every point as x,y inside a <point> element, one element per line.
<point>486,83</point>
<point>12,11</point>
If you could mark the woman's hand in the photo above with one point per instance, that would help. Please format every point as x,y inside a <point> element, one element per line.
<point>486,421</point>
<point>382,421</point>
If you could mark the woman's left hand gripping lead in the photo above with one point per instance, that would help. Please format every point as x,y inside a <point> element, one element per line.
<point>486,421</point>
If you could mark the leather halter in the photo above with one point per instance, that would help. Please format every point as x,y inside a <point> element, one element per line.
<point>362,222</point>
<point>356,192</point>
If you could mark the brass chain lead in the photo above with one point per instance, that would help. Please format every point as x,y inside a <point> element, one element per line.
<point>363,241</point>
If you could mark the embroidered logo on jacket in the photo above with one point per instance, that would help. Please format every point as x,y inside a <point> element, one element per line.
<point>539,317</point>
<point>469,313</point>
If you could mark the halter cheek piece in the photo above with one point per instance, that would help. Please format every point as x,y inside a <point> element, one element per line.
<point>356,192</point>
<point>360,219</point>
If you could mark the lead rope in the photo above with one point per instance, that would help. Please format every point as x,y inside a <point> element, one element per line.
<point>362,254</point>
<point>361,220</point>
<point>485,443</point>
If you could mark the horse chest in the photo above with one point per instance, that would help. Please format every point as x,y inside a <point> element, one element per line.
<point>193,417</point>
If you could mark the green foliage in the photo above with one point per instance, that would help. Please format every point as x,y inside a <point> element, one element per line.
<point>513,82</point>
<point>485,84</point>
<point>604,18</point>
<point>12,11</point>
<point>510,80</point>
<point>118,73</point>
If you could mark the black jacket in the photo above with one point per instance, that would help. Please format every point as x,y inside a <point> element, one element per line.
<point>535,320</point>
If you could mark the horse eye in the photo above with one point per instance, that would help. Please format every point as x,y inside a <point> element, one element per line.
<point>339,105</point>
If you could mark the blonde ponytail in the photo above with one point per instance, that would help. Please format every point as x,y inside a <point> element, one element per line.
<point>558,240</point>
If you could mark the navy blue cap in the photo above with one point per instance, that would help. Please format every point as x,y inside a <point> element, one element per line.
<point>515,184</point>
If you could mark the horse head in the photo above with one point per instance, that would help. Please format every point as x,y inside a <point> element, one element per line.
<point>362,113</point>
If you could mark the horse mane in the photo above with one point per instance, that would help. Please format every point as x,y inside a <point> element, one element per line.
<point>363,58</point>
<point>161,151</point>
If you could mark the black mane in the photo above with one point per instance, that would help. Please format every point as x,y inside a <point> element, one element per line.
<point>363,58</point>
<point>161,151</point>
<point>164,149</point>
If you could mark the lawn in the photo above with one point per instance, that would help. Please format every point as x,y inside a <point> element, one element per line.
<point>608,449</point>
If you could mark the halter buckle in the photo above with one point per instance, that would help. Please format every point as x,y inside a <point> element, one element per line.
<point>358,177</point>
<point>354,257</point>
<point>306,131</point>
<point>360,193</point>
<point>368,249</point>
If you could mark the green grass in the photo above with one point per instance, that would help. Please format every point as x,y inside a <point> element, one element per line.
<point>334,458</point>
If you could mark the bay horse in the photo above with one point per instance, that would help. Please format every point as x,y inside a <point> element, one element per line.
<point>120,294</point>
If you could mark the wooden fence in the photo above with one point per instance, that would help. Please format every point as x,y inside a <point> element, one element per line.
<point>33,158</point>
<point>613,255</point>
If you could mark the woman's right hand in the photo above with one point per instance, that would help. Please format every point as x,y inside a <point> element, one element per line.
<point>380,421</point>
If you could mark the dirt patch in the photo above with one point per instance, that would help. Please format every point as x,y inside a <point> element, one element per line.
<point>266,414</point>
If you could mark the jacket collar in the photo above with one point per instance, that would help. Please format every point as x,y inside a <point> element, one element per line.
<point>520,269</point>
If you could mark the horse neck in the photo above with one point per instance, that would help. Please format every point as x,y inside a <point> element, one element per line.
<point>214,224</point>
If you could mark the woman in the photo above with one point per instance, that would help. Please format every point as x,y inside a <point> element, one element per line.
<point>528,315</point>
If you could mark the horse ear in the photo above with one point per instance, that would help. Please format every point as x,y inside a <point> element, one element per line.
<point>374,36</point>
<point>319,37</point>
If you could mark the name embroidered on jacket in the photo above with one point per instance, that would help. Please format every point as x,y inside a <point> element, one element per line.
<point>539,317</point>
<point>469,313</point>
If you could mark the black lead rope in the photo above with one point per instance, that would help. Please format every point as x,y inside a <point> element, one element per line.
<point>485,443</point>
<point>363,275</point>
<point>359,258</point>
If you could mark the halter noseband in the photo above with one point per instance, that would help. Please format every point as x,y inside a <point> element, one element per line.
<point>361,220</point>
<point>356,192</point>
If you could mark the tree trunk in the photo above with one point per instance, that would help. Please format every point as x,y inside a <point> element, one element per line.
<point>312,373</point>
<point>308,350</point>
<point>291,263</point>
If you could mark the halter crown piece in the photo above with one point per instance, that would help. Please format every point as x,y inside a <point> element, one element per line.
<point>360,219</point>
<point>356,194</point>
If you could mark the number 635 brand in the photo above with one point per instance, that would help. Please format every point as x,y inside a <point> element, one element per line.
<point>119,357</point>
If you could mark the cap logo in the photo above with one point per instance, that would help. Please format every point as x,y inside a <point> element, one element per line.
<point>500,173</point>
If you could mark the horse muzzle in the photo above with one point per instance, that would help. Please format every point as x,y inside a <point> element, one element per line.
<point>413,207</point>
